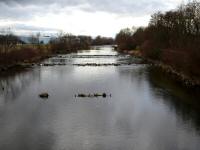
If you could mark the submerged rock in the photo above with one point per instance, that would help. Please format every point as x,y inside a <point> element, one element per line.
<point>104,95</point>
<point>98,65</point>
<point>97,95</point>
<point>44,95</point>
<point>82,95</point>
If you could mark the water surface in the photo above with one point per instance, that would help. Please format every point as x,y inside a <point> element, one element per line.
<point>147,110</point>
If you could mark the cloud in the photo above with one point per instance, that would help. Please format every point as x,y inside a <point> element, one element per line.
<point>132,7</point>
<point>24,29</point>
<point>83,16</point>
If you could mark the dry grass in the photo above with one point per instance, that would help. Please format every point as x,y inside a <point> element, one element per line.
<point>23,53</point>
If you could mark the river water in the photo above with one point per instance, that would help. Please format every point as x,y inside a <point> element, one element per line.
<point>145,111</point>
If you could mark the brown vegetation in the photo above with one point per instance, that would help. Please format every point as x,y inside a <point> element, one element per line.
<point>14,51</point>
<point>67,43</point>
<point>172,38</point>
<point>102,41</point>
<point>23,54</point>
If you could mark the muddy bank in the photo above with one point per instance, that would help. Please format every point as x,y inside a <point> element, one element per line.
<point>23,64</point>
<point>176,75</point>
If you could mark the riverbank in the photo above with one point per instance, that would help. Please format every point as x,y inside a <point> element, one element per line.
<point>137,103</point>
<point>135,53</point>
<point>23,64</point>
<point>27,58</point>
<point>24,57</point>
<point>178,76</point>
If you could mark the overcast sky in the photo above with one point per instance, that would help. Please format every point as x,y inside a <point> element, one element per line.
<point>88,17</point>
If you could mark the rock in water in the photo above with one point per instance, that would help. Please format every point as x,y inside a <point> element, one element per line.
<point>104,95</point>
<point>82,95</point>
<point>44,95</point>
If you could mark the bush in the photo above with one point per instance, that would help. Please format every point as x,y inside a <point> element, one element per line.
<point>172,37</point>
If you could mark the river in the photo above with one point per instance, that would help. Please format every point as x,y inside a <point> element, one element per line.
<point>145,109</point>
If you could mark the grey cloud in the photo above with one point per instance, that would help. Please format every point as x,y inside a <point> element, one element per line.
<point>43,2</point>
<point>133,7</point>
<point>32,28</point>
<point>28,29</point>
<point>127,6</point>
<point>10,12</point>
<point>24,10</point>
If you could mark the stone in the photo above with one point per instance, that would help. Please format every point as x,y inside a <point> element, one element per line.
<point>104,95</point>
<point>44,95</point>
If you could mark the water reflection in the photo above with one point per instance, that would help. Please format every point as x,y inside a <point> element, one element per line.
<point>184,102</point>
<point>15,83</point>
<point>159,116</point>
<point>144,112</point>
<point>21,131</point>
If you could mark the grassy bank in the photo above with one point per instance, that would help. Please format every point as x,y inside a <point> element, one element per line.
<point>179,76</point>
<point>23,55</point>
<point>14,52</point>
<point>176,74</point>
<point>170,41</point>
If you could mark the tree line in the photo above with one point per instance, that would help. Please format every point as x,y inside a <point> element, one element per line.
<point>13,49</point>
<point>68,42</point>
<point>172,37</point>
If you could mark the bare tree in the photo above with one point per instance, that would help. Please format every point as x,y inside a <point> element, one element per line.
<point>35,39</point>
<point>8,41</point>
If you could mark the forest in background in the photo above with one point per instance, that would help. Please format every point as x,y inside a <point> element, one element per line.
<point>13,50</point>
<point>172,37</point>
